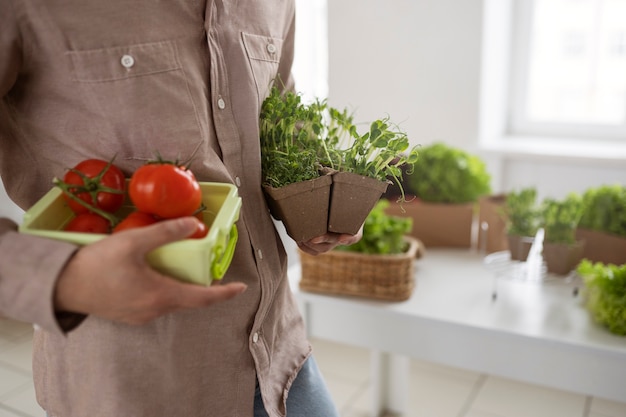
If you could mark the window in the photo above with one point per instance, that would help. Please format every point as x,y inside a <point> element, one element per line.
<point>311,49</point>
<point>568,72</point>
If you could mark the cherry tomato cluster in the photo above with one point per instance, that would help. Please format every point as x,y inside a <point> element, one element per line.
<point>95,191</point>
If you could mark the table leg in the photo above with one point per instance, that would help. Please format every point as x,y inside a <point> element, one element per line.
<point>390,383</point>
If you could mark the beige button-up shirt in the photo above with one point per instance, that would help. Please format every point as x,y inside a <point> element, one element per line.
<point>82,79</point>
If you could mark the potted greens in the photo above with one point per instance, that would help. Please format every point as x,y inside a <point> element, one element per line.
<point>447,183</point>
<point>364,165</point>
<point>604,293</point>
<point>379,266</point>
<point>559,219</point>
<point>317,168</point>
<point>292,176</point>
<point>522,221</point>
<point>603,224</point>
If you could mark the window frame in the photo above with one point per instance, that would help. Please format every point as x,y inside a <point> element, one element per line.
<point>518,121</point>
<point>310,66</point>
<point>495,136</point>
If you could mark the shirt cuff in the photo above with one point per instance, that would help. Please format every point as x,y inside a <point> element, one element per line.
<point>29,269</point>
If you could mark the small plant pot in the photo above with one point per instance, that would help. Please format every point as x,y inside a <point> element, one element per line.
<point>562,258</point>
<point>437,224</point>
<point>519,247</point>
<point>302,207</point>
<point>603,247</point>
<point>353,197</point>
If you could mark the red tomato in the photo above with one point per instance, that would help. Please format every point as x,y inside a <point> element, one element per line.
<point>134,220</point>
<point>96,182</point>
<point>88,223</point>
<point>166,190</point>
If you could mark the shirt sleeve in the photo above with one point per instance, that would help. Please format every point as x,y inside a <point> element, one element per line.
<point>29,266</point>
<point>10,47</point>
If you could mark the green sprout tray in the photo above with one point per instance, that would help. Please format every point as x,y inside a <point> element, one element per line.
<point>198,261</point>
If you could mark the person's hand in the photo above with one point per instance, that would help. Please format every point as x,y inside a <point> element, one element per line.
<point>111,278</point>
<point>329,241</point>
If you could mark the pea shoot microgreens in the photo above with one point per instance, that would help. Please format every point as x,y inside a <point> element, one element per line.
<point>299,141</point>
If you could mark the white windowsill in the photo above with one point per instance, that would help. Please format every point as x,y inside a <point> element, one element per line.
<point>592,151</point>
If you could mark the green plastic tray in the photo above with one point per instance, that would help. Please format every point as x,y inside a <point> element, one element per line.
<point>198,261</point>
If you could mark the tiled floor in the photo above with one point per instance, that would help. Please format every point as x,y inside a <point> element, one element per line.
<point>440,391</point>
<point>437,391</point>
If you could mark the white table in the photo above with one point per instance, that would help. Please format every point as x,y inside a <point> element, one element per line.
<point>537,333</point>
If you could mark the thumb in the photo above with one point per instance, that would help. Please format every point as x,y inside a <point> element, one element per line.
<point>167,231</point>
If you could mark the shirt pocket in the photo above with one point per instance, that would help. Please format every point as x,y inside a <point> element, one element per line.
<point>140,96</point>
<point>264,54</point>
<point>111,64</point>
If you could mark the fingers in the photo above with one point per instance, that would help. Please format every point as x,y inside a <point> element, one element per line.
<point>320,244</point>
<point>349,239</point>
<point>161,233</point>
<point>111,278</point>
<point>306,249</point>
<point>195,296</point>
<point>328,241</point>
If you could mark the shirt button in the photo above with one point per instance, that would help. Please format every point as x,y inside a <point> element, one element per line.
<point>255,337</point>
<point>238,181</point>
<point>221,103</point>
<point>127,61</point>
<point>260,253</point>
<point>271,48</point>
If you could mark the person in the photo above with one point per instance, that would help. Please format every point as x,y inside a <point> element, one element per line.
<point>93,79</point>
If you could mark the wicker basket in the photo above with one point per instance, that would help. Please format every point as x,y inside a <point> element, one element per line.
<point>385,277</point>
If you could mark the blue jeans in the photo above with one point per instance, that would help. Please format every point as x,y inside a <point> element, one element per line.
<point>308,395</point>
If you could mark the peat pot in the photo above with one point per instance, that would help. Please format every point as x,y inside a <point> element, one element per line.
<point>519,246</point>
<point>302,207</point>
<point>353,197</point>
<point>561,258</point>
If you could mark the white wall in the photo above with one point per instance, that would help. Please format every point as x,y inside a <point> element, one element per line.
<point>416,60</point>
<point>421,62</point>
<point>8,209</point>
